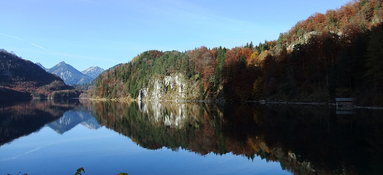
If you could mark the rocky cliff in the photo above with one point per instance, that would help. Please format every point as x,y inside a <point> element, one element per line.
<point>157,76</point>
<point>318,60</point>
<point>170,87</point>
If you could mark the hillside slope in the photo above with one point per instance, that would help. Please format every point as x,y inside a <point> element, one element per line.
<point>39,64</point>
<point>313,62</point>
<point>21,78</point>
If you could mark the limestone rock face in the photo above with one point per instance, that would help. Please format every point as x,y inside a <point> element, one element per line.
<point>142,94</point>
<point>170,87</point>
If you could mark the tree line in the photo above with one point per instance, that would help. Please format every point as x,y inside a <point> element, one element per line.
<point>337,54</point>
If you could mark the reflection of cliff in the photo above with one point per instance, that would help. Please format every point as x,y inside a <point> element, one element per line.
<point>24,118</point>
<point>305,140</point>
<point>201,128</point>
<point>171,114</point>
<point>70,119</point>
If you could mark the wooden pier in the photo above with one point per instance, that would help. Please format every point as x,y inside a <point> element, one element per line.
<point>344,105</point>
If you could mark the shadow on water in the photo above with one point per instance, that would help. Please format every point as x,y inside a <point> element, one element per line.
<point>304,139</point>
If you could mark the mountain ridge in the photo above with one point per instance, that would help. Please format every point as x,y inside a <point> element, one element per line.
<point>39,64</point>
<point>71,119</point>
<point>69,74</point>
<point>22,79</point>
<point>93,71</point>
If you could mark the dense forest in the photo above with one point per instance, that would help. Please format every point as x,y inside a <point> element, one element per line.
<point>336,54</point>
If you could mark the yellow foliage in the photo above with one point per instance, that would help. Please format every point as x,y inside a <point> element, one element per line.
<point>255,55</point>
<point>257,87</point>
<point>134,140</point>
<point>257,120</point>
<point>264,147</point>
<point>256,84</point>
<point>254,145</point>
<point>135,59</point>
<point>254,59</point>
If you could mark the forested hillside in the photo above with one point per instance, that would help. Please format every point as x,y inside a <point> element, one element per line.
<point>337,54</point>
<point>22,79</point>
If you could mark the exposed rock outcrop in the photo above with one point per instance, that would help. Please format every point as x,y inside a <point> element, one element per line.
<point>170,87</point>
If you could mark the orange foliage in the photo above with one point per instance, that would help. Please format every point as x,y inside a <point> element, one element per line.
<point>205,63</point>
<point>361,13</point>
<point>247,52</point>
<point>319,20</point>
<point>155,53</point>
<point>213,53</point>
<point>232,56</point>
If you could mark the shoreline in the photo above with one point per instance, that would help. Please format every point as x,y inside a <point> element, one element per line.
<point>316,103</point>
<point>250,101</point>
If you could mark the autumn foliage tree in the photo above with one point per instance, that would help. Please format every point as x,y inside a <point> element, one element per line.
<point>322,57</point>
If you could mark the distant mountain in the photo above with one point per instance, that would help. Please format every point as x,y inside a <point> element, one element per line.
<point>69,74</point>
<point>22,79</point>
<point>88,87</point>
<point>93,71</point>
<point>41,66</point>
<point>70,119</point>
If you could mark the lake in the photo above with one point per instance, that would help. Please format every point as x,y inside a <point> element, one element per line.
<point>46,137</point>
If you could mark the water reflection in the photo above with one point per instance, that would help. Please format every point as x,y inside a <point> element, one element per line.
<point>21,119</point>
<point>72,118</point>
<point>303,139</point>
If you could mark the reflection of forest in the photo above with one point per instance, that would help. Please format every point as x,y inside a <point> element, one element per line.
<point>20,119</point>
<point>305,140</point>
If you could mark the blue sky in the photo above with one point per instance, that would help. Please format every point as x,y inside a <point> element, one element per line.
<point>87,33</point>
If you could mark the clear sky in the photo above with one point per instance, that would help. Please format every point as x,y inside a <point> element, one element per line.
<point>103,33</point>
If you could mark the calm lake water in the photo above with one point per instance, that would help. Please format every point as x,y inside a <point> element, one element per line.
<point>42,137</point>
